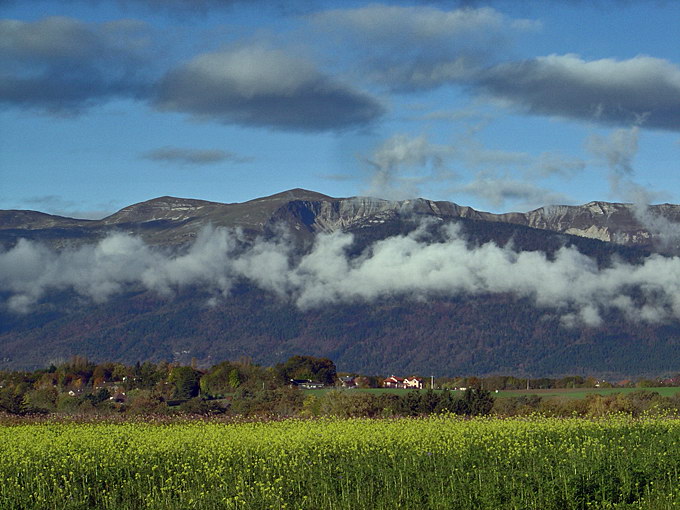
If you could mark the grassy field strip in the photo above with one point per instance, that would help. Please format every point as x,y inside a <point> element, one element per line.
<point>665,391</point>
<point>584,392</point>
<point>439,462</point>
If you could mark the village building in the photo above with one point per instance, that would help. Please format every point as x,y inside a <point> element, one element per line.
<point>347,381</point>
<point>393,382</point>
<point>409,383</point>
<point>306,384</point>
<point>414,382</point>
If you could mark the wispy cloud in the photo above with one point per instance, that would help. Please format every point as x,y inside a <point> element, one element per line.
<point>401,164</point>
<point>617,152</point>
<point>499,191</point>
<point>408,48</point>
<point>405,166</point>
<point>337,177</point>
<point>183,156</point>
<point>57,205</point>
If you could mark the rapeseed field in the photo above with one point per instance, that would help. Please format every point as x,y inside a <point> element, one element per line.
<point>439,462</point>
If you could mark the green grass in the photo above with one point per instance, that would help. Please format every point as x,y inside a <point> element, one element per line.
<point>561,392</point>
<point>584,392</point>
<point>441,462</point>
<point>375,391</point>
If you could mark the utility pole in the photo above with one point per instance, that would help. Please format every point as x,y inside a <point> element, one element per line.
<point>432,382</point>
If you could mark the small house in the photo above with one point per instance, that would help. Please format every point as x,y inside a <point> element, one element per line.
<point>413,382</point>
<point>393,382</point>
<point>306,384</point>
<point>347,381</point>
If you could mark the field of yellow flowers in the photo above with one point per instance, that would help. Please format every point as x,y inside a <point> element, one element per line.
<point>440,462</point>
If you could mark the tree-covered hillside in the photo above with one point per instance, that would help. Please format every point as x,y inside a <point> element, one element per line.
<point>480,335</point>
<point>434,332</point>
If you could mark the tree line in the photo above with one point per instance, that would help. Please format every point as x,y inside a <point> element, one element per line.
<point>242,388</point>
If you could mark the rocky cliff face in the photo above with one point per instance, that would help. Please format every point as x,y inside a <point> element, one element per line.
<point>623,224</point>
<point>482,333</point>
<point>169,220</point>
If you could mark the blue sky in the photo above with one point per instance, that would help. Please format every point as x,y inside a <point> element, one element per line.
<point>498,105</point>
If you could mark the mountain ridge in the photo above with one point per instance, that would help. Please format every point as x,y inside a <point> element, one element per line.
<point>174,220</point>
<point>217,314</point>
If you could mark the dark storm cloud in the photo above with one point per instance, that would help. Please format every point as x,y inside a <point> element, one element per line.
<point>184,156</point>
<point>619,92</point>
<point>60,65</point>
<point>263,87</point>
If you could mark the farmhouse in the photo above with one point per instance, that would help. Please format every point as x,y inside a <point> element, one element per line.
<point>306,384</point>
<point>413,382</point>
<point>393,382</point>
<point>347,381</point>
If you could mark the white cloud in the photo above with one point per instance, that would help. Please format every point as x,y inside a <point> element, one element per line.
<point>569,283</point>
<point>499,191</point>
<point>553,163</point>
<point>617,153</point>
<point>401,164</point>
<point>617,150</point>
<point>405,166</point>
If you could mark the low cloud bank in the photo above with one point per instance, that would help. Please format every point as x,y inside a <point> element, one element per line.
<point>569,283</point>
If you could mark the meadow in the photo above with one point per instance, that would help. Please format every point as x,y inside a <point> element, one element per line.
<point>666,391</point>
<point>439,462</point>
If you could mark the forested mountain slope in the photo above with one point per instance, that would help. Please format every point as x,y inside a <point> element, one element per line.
<point>379,287</point>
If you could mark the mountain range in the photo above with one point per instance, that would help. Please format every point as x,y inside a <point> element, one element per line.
<point>170,220</point>
<point>312,274</point>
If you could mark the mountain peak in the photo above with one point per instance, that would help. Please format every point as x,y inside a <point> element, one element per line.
<point>175,220</point>
<point>31,220</point>
<point>161,208</point>
<point>294,194</point>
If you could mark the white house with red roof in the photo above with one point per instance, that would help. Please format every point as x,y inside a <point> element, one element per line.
<point>393,382</point>
<point>414,382</point>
